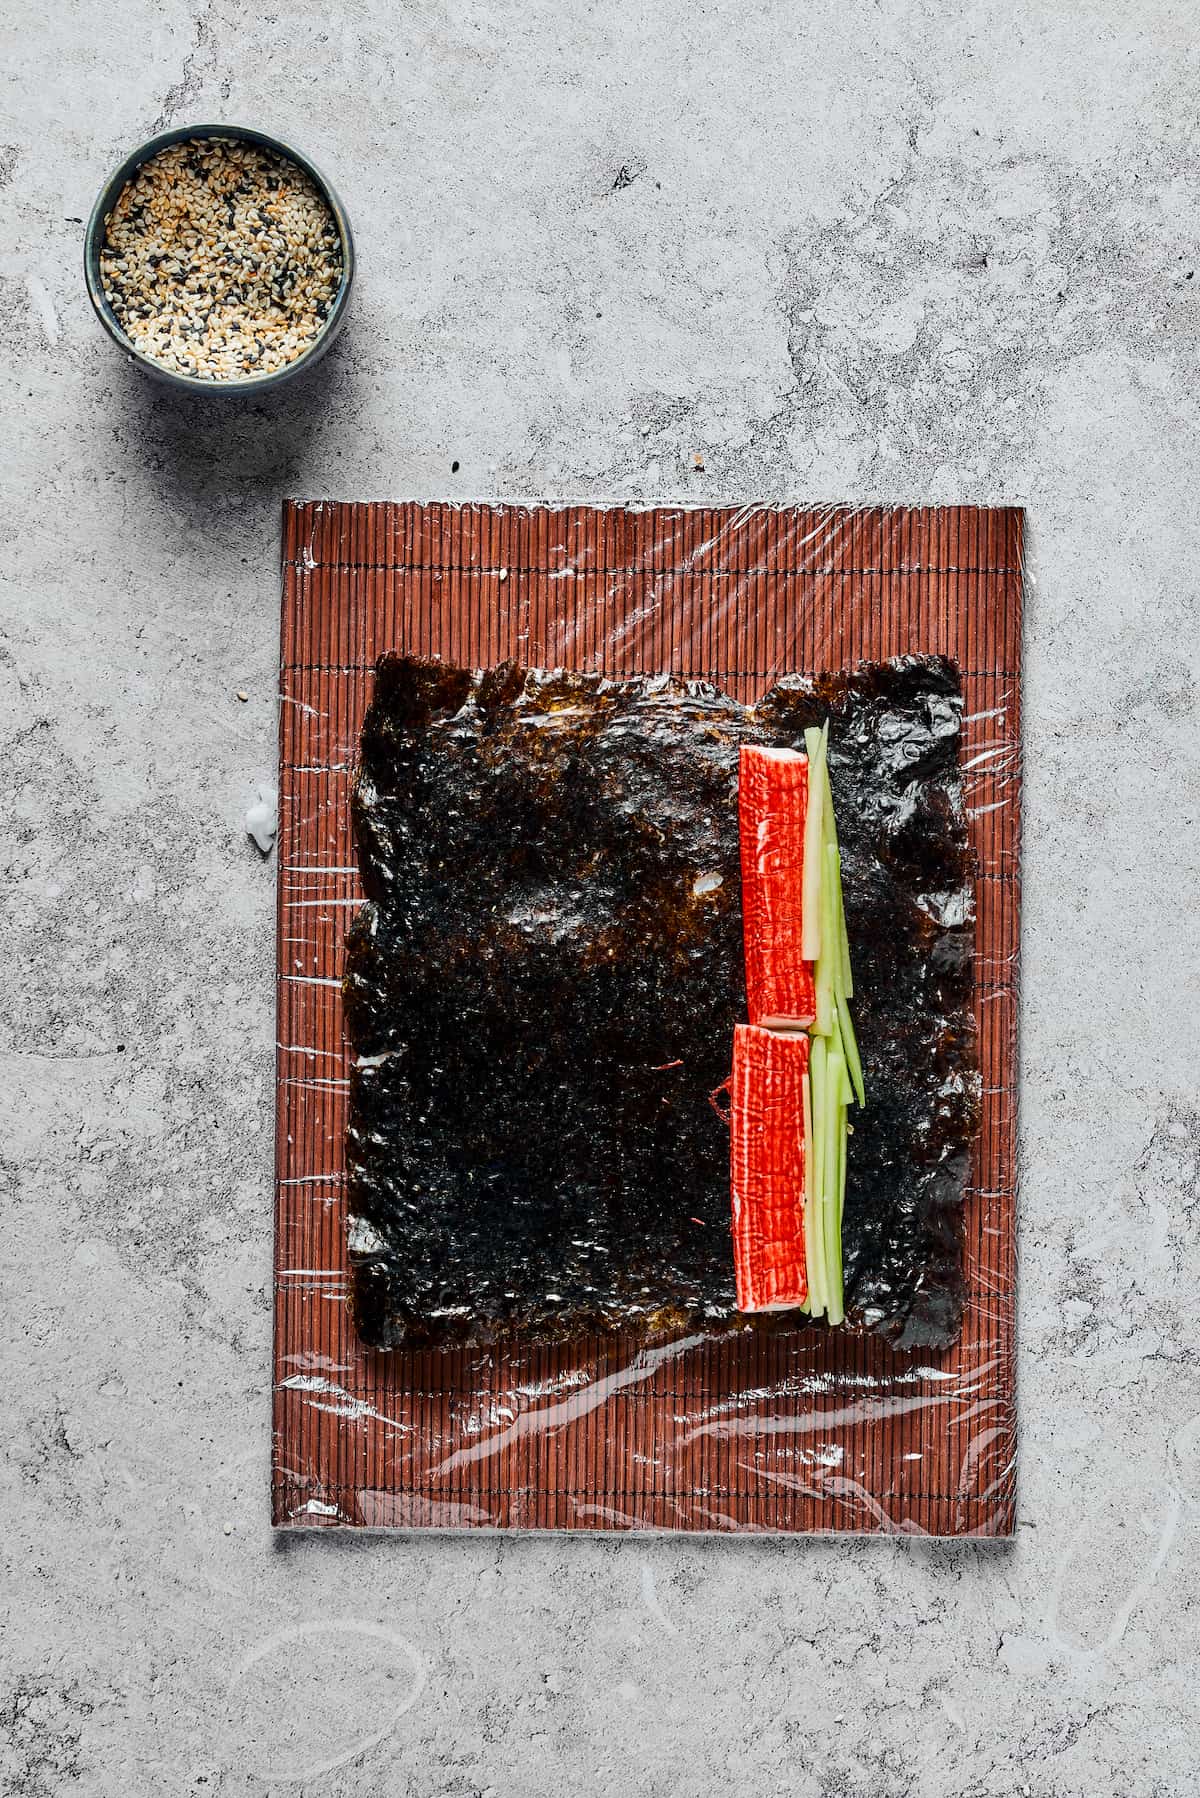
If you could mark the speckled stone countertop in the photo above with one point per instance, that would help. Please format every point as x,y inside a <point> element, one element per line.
<point>837,251</point>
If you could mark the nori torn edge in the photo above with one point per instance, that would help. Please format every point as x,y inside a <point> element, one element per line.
<point>542,987</point>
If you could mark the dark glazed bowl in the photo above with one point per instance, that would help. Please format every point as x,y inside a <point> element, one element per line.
<point>94,242</point>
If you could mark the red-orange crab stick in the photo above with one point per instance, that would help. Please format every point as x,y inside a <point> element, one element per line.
<point>768,1156</point>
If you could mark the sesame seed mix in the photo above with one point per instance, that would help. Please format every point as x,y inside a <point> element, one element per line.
<point>221,260</point>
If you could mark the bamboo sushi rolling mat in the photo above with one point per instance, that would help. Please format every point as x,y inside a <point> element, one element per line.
<point>806,1430</point>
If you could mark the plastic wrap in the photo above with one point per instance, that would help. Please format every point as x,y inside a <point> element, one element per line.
<point>693,1425</point>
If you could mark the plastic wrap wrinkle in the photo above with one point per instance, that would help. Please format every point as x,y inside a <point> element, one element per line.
<point>782,1429</point>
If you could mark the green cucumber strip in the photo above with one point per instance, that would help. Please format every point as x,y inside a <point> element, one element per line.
<point>814,830</point>
<point>837,964</point>
<point>847,974</point>
<point>831,838</point>
<point>822,1179</point>
<point>825,973</point>
<point>843,936</point>
<point>848,1094</point>
<point>814,1228</point>
<point>849,1043</point>
<point>828,821</point>
<point>831,1164</point>
<point>808,1187</point>
<point>846,1135</point>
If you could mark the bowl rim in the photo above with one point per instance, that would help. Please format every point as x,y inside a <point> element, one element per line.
<point>106,199</point>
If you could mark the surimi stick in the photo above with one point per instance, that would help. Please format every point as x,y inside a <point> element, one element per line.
<point>767,1167</point>
<point>773,788</point>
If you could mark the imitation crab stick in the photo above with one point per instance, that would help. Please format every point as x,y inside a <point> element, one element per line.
<point>773,812</point>
<point>768,1159</point>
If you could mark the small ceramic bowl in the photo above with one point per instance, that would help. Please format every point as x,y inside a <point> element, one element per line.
<point>94,244</point>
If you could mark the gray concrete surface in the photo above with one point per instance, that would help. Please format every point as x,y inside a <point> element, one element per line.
<point>906,251</point>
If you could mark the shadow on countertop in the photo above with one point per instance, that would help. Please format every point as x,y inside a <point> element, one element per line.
<point>214,462</point>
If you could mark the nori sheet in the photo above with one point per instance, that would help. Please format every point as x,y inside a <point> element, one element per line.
<point>542,988</point>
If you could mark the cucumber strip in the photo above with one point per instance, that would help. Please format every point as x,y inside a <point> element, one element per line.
<point>847,1091</point>
<point>828,821</point>
<point>833,953</point>
<point>850,1048</point>
<point>814,832</point>
<point>829,831</point>
<point>825,976</point>
<point>808,1190</point>
<point>848,973</point>
<point>846,1135</point>
<point>814,1226</point>
<point>837,962</point>
<point>831,837</point>
<point>832,1162</point>
<point>844,1147</point>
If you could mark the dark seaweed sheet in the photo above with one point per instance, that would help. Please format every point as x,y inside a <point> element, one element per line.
<point>542,1003</point>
